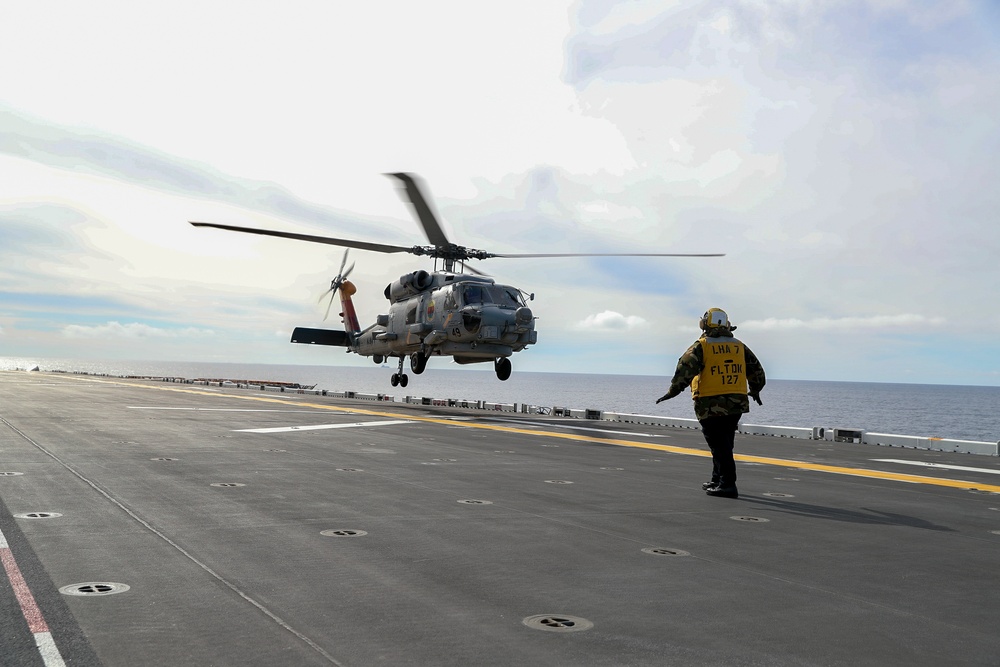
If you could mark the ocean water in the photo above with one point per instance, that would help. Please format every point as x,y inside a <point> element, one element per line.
<point>944,411</point>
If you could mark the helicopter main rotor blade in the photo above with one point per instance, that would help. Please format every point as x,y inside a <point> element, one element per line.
<point>613,254</point>
<point>432,228</point>
<point>361,245</point>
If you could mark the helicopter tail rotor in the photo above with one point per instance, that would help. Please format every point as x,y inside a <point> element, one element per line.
<point>336,283</point>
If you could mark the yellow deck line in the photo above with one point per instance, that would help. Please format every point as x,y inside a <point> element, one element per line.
<point>686,451</point>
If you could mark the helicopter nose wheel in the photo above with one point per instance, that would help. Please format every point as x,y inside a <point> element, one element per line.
<point>502,367</point>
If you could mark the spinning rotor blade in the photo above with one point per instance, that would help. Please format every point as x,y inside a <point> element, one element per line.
<point>342,275</point>
<point>442,249</point>
<point>432,228</point>
<point>361,245</point>
<point>329,303</point>
<point>614,254</point>
<point>336,283</point>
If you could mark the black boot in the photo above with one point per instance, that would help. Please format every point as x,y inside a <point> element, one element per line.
<point>709,485</point>
<point>723,491</point>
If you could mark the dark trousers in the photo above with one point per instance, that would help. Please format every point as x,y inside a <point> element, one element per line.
<point>720,433</point>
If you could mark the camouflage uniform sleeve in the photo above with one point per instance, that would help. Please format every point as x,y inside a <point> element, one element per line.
<point>755,372</point>
<point>688,368</point>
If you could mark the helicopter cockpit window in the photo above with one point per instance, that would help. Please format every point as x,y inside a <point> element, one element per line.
<point>499,295</point>
<point>411,314</point>
<point>473,294</point>
<point>505,297</point>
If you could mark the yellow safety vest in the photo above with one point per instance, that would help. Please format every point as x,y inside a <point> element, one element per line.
<point>725,370</point>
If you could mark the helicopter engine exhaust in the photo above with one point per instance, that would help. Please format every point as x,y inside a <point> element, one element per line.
<point>409,285</point>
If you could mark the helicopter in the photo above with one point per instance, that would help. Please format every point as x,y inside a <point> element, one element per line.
<point>455,310</point>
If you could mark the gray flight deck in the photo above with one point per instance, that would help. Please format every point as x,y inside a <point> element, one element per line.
<point>421,535</point>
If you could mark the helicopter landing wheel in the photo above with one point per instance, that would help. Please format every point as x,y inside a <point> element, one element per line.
<point>502,367</point>
<point>418,363</point>
<point>399,377</point>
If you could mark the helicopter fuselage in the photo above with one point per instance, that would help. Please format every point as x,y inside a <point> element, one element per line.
<point>469,318</point>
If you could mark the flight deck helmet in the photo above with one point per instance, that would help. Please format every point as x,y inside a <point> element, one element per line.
<point>713,319</point>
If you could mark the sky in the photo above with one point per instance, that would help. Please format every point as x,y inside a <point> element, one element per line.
<point>844,156</point>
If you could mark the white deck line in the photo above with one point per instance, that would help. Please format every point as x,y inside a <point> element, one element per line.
<point>319,427</point>
<point>991,471</point>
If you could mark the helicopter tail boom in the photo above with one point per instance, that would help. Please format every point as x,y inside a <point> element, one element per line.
<point>349,315</point>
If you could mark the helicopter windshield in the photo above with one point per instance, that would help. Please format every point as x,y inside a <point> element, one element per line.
<point>499,295</point>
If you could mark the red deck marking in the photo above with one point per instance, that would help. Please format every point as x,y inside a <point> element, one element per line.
<point>29,608</point>
<point>32,614</point>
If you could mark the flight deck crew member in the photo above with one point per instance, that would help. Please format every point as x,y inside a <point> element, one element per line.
<point>722,373</point>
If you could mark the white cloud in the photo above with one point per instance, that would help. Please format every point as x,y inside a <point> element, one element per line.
<point>842,163</point>
<point>844,323</point>
<point>132,330</point>
<point>609,320</point>
<point>354,90</point>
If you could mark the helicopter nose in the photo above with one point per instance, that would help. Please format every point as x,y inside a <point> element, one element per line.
<point>495,322</point>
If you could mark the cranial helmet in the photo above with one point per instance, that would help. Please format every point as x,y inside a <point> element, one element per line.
<point>713,318</point>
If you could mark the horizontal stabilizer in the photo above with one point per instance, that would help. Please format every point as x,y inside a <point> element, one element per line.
<point>321,337</point>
